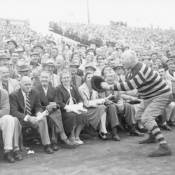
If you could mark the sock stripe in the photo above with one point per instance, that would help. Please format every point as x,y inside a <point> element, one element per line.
<point>161,139</point>
<point>157,133</point>
<point>155,127</point>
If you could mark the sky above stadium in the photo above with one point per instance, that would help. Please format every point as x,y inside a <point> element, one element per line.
<point>140,13</point>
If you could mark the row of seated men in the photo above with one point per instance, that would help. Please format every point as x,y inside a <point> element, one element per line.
<point>22,105</point>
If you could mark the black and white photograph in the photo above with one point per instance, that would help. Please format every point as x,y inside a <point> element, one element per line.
<point>87,87</point>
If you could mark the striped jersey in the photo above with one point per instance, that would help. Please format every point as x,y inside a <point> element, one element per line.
<point>147,81</point>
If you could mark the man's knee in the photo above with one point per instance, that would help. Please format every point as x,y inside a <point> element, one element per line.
<point>8,119</point>
<point>16,120</point>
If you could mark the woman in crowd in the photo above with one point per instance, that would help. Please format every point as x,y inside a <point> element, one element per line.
<point>96,114</point>
<point>68,95</point>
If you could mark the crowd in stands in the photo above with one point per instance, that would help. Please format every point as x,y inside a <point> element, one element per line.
<point>45,84</point>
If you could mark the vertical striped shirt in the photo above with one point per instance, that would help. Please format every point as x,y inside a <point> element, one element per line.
<point>148,82</point>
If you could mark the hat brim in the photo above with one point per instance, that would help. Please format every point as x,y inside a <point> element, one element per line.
<point>117,67</point>
<point>90,67</point>
<point>13,43</point>
<point>96,83</point>
<point>24,70</point>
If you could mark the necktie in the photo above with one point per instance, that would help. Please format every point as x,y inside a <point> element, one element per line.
<point>120,80</point>
<point>73,81</point>
<point>28,107</point>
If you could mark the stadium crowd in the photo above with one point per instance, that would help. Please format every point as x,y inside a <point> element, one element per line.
<point>45,85</point>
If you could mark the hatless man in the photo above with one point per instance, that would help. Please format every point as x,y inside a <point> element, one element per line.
<point>7,125</point>
<point>6,82</point>
<point>156,96</point>
<point>25,105</point>
<point>4,62</point>
<point>49,101</point>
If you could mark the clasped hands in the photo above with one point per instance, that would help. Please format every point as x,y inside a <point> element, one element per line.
<point>51,106</point>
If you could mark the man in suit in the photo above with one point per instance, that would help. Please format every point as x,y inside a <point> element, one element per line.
<point>25,105</point>
<point>7,83</point>
<point>49,101</point>
<point>8,127</point>
<point>125,108</point>
<point>4,62</point>
<point>76,80</point>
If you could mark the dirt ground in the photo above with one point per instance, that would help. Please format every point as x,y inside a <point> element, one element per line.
<point>126,157</point>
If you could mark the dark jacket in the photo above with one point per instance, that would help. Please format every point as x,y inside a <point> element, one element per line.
<point>17,105</point>
<point>63,96</point>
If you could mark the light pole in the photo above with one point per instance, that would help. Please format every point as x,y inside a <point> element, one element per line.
<point>88,11</point>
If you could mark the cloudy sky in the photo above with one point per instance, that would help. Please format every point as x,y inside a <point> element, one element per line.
<point>134,12</point>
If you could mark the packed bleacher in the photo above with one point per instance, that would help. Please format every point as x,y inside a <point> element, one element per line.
<point>46,90</point>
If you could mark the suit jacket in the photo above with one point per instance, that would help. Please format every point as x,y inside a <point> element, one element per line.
<point>85,93</point>
<point>80,72</point>
<point>55,114</point>
<point>64,96</point>
<point>116,99</point>
<point>12,74</point>
<point>78,80</point>
<point>17,104</point>
<point>4,103</point>
<point>12,85</point>
<point>51,96</point>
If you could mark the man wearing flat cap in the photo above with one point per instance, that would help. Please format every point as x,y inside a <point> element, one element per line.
<point>50,67</point>
<point>77,81</point>
<point>39,49</point>
<point>119,70</point>
<point>35,64</point>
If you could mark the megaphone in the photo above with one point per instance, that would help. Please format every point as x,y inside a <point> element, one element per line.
<point>96,83</point>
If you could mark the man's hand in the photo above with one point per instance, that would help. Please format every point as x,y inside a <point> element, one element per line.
<point>133,99</point>
<point>49,108</point>
<point>120,107</point>
<point>106,86</point>
<point>33,120</point>
<point>53,105</point>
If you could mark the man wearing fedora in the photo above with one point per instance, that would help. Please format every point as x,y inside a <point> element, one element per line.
<point>4,62</point>
<point>25,70</point>
<point>77,81</point>
<point>12,45</point>
<point>90,68</point>
<point>155,93</point>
